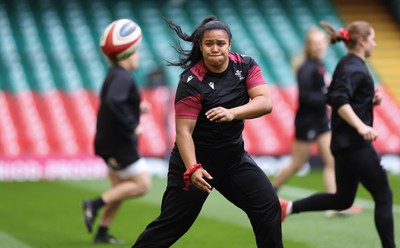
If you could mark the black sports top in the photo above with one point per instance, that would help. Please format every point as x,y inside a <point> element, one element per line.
<point>118,117</point>
<point>352,84</point>
<point>312,92</point>
<point>200,90</point>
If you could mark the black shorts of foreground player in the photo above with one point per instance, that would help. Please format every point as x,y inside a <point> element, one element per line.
<point>217,91</point>
<point>352,97</point>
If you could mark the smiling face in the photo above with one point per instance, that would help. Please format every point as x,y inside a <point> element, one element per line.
<point>215,46</point>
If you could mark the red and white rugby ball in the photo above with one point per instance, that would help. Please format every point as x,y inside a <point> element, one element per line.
<point>121,39</point>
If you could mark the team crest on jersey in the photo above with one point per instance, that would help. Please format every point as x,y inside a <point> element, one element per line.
<point>239,74</point>
<point>211,84</point>
<point>189,78</point>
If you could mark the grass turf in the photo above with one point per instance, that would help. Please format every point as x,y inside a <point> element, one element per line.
<point>48,214</point>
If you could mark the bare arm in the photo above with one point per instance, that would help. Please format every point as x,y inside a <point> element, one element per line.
<point>260,104</point>
<point>347,114</point>
<point>184,141</point>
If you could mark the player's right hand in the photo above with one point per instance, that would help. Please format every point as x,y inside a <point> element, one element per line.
<point>368,133</point>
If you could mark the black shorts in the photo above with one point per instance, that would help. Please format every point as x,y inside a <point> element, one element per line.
<point>309,131</point>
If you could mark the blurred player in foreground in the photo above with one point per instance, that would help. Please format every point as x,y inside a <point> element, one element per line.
<point>117,131</point>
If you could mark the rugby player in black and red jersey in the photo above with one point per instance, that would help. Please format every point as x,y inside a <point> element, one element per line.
<point>217,91</point>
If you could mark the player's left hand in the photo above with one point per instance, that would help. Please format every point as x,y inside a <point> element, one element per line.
<point>220,114</point>
<point>198,180</point>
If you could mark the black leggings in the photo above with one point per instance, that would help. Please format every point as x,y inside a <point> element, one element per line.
<point>351,167</point>
<point>244,184</point>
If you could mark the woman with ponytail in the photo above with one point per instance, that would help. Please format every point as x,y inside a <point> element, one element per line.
<point>217,91</point>
<point>352,97</point>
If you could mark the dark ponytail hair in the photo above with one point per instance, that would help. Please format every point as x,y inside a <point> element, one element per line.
<point>348,35</point>
<point>188,58</point>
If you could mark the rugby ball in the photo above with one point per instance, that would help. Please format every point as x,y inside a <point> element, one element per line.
<point>121,39</point>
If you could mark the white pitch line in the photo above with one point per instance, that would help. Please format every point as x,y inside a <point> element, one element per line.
<point>297,193</point>
<point>8,241</point>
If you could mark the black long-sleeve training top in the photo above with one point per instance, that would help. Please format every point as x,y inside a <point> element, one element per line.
<point>312,93</point>
<point>352,84</point>
<point>118,117</point>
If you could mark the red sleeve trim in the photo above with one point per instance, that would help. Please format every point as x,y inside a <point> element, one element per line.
<point>189,107</point>
<point>255,77</point>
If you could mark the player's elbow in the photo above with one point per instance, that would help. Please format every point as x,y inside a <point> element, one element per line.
<point>264,110</point>
<point>267,107</point>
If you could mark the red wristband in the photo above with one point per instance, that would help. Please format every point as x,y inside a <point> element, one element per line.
<point>188,173</point>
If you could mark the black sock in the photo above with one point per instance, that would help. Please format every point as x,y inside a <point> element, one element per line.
<point>102,231</point>
<point>98,203</point>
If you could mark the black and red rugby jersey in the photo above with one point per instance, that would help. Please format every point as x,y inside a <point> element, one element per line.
<point>200,90</point>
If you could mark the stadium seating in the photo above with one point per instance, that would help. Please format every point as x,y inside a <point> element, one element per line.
<point>51,70</point>
<point>386,59</point>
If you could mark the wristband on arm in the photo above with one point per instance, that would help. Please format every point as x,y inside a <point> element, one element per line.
<point>188,173</point>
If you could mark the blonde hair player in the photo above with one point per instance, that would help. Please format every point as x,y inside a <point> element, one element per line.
<point>311,122</point>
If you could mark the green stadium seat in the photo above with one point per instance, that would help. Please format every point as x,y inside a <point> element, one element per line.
<point>52,48</point>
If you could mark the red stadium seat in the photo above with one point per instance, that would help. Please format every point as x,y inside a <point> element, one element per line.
<point>155,124</point>
<point>59,124</point>
<point>9,145</point>
<point>82,116</point>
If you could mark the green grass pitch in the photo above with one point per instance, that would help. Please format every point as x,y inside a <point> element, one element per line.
<point>48,214</point>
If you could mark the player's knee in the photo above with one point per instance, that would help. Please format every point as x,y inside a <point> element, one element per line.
<point>384,197</point>
<point>269,213</point>
<point>139,188</point>
<point>143,187</point>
